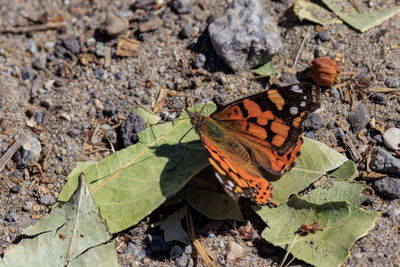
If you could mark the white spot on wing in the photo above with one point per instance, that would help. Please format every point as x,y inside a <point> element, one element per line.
<point>297,89</point>
<point>302,104</point>
<point>294,110</point>
<point>304,97</point>
<point>231,184</point>
<point>219,178</point>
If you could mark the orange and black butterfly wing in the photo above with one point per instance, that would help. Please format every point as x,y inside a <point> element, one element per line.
<point>270,123</point>
<point>272,118</point>
<point>234,170</point>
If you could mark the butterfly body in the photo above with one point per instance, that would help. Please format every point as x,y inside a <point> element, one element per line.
<point>256,136</point>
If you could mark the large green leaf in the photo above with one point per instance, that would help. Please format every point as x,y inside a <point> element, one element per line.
<point>362,19</point>
<point>215,206</point>
<point>316,160</point>
<point>336,209</point>
<point>129,184</point>
<point>347,171</point>
<point>70,235</point>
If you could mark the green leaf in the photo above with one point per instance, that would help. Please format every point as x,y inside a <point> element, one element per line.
<point>215,206</point>
<point>268,69</point>
<point>71,234</point>
<point>347,171</point>
<point>362,19</point>
<point>316,160</point>
<point>315,13</point>
<point>173,228</point>
<point>148,116</point>
<point>336,209</point>
<point>129,184</point>
<point>340,190</point>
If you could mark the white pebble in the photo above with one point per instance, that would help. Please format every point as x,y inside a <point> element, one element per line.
<point>392,138</point>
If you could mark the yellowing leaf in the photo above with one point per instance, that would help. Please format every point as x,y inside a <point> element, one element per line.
<point>315,13</point>
<point>359,16</point>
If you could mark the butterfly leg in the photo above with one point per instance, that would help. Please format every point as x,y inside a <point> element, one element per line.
<point>183,155</point>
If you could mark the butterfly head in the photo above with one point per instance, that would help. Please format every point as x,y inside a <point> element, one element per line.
<point>195,118</point>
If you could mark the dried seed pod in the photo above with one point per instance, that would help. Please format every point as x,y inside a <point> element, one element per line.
<point>323,71</point>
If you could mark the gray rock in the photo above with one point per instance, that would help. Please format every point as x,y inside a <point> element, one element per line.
<point>188,249</point>
<point>358,118</point>
<point>391,138</point>
<point>324,35</point>
<point>29,153</point>
<point>378,98</point>
<point>136,251</point>
<point>246,36</point>
<point>392,82</point>
<point>182,6</point>
<point>40,62</point>
<point>72,44</point>
<point>39,117</point>
<point>199,61</point>
<point>28,73</point>
<point>335,92</point>
<point>47,200</point>
<point>389,187</point>
<point>175,251</point>
<point>234,251</point>
<point>31,47</point>
<point>313,122</point>
<point>115,25</point>
<point>383,161</point>
<point>189,31</point>
<point>182,261</point>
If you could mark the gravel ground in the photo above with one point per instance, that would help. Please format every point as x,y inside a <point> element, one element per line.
<point>58,86</point>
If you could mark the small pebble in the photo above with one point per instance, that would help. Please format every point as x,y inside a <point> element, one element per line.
<point>210,234</point>
<point>309,134</point>
<point>335,92</point>
<point>188,249</point>
<point>119,75</point>
<point>339,133</point>
<point>189,31</point>
<point>175,251</point>
<point>47,103</point>
<point>10,217</point>
<point>39,117</point>
<point>129,130</point>
<point>358,118</point>
<point>31,47</point>
<point>182,6</point>
<point>330,125</point>
<point>131,85</point>
<point>98,73</point>
<point>182,261</point>
<point>49,84</point>
<point>72,44</point>
<point>29,152</point>
<point>391,138</point>
<point>378,98</point>
<point>27,73</point>
<point>313,122</point>
<point>324,35</point>
<point>90,41</point>
<point>99,51</point>
<point>199,61</point>
<point>221,244</point>
<point>115,25</point>
<point>392,82</point>
<point>136,251</point>
<point>40,62</point>
<point>234,251</point>
<point>47,200</point>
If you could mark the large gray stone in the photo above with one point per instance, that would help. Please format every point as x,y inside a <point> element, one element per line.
<point>245,36</point>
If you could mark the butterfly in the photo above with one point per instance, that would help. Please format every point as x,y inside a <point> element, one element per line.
<point>256,136</point>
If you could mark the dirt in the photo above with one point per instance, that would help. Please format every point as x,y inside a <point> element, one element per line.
<point>84,96</point>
